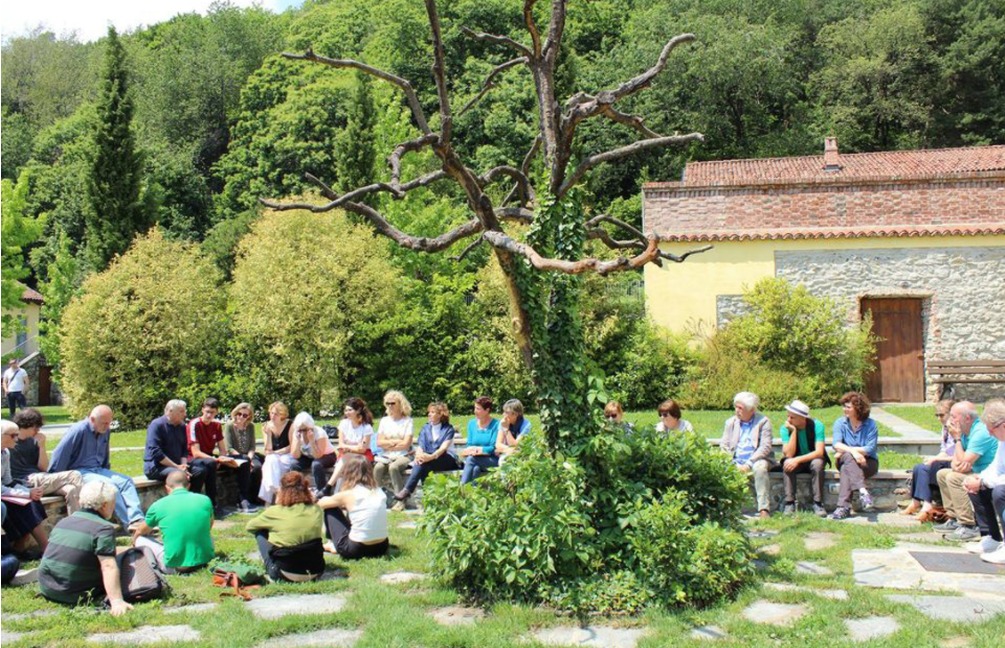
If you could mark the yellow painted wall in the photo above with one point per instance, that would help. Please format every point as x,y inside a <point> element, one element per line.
<point>682,296</point>
<point>30,313</point>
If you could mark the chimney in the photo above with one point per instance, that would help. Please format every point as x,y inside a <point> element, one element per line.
<point>831,155</point>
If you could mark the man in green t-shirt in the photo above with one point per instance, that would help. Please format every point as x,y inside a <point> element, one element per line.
<point>185,520</point>
<point>802,452</point>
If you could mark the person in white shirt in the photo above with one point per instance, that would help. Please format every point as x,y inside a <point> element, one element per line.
<point>15,381</point>
<point>395,434</point>
<point>356,516</point>
<point>987,491</point>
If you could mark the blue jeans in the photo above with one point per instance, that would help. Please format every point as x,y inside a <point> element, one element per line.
<point>476,465</point>
<point>127,504</point>
<point>924,480</point>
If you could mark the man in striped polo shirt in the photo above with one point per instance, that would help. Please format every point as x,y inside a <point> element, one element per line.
<point>79,562</point>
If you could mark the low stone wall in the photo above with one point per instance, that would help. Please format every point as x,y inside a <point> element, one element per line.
<point>881,487</point>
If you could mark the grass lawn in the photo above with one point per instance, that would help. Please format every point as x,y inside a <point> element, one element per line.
<point>921,415</point>
<point>55,414</point>
<point>397,615</point>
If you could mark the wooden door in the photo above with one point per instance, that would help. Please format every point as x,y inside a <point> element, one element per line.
<point>44,386</point>
<point>899,375</point>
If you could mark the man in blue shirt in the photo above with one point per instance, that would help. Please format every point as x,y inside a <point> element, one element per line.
<point>85,448</point>
<point>975,450</point>
<point>746,437</point>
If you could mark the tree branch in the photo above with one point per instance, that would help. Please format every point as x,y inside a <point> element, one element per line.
<point>528,20</point>
<point>468,249</point>
<point>524,169</point>
<point>556,28</point>
<point>632,121</point>
<point>406,87</point>
<point>621,152</point>
<point>394,160</point>
<point>523,185</point>
<point>488,85</point>
<point>396,190</point>
<point>515,213</point>
<point>502,241</point>
<point>440,73</point>
<point>643,80</point>
<point>520,48</point>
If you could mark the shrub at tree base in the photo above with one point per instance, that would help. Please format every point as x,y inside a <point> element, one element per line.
<point>150,328</point>
<point>630,522</point>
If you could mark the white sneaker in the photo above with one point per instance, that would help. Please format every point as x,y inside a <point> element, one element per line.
<point>986,544</point>
<point>996,557</point>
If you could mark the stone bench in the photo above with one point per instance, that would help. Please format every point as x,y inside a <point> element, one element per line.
<point>882,487</point>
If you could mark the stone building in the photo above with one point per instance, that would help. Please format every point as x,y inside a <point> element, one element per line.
<point>916,238</point>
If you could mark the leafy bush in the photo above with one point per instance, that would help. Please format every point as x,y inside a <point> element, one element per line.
<point>652,367</point>
<point>149,328</point>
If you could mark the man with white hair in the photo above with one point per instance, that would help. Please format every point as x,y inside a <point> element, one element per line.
<point>987,491</point>
<point>167,450</point>
<point>746,437</point>
<point>85,448</point>
<point>803,452</point>
<point>79,563</point>
<point>975,451</point>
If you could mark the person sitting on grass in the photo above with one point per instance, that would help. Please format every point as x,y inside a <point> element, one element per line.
<point>480,453</point>
<point>924,475</point>
<point>987,491</point>
<point>975,451</point>
<point>670,418</point>
<point>436,451</point>
<point>79,564</point>
<point>185,520</point>
<point>747,438</point>
<point>25,515</point>
<point>856,438</point>
<point>356,516</point>
<point>289,533</point>
<point>239,433</point>
<point>511,429</point>
<point>803,452</point>
<point>29,461</point>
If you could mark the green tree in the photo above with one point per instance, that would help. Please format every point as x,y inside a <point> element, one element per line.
<point>354,152</point>
<point>18,231</point>
<point>61,283</point>
<point>151,327</point>
<point>115,182</point>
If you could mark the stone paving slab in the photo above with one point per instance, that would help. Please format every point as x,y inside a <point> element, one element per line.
<point>896,569</point>
<point>780,614</point>
<point>195,608</point>
<point>396,578</point>
<point>874,627</point>
<point>962,609</point>
<point>812,569</point>
<point>148,634</point>
<point>30,615</point>
<point>819,541</point>
<point>335,637</point>
<point>832,594</point>
<point>770,550</point>
<point>7,636</point>
<point>593,636</point>
<point>709,633</point>
<point>761,533</point>
<point>457,615</point>
<point>276,607</point>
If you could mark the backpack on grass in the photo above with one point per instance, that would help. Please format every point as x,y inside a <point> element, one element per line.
<point>140,577</point>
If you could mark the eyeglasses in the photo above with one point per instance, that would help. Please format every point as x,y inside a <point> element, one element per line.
<point>390,403</point>
<point>304,430</point>
<point>665,414</point>
<point>241,415</point>
<point>12,435</point>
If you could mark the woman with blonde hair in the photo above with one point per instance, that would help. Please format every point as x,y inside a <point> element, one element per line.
<point>278,453</point>
<point>239,433</point>
<point>393,442</point>
<point>356,516</point>
<point>289,533</point>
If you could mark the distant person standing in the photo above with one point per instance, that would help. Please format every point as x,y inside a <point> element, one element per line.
<point>15,380</point>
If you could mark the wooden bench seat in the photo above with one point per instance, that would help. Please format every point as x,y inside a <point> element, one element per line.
<point>960,372</point>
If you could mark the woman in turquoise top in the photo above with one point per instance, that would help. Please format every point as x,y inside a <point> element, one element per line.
<point>855,440</point>
<point>480,455</point>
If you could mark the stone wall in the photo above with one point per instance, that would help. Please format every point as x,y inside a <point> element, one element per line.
<point>963,293</point>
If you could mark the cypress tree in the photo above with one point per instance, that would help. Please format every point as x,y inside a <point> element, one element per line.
<point>114,186</point>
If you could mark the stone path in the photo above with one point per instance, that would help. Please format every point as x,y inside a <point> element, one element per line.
<point>457,615</point>
<point>819,541</point>
<point>780,614</point>
<point>335,637</point>
<point>897,569</point>
<point>874,627</point>
<point>770,550</point>
<point>709,633</point>
<point>812,569</point>
<point>148,634</point>
<point>962,609</point>
<point>275,607</point>
<point>832,594</point>
<point>905,429</point>
<point>195,608</point>
<point>594,636</point>
<point>396,578</point>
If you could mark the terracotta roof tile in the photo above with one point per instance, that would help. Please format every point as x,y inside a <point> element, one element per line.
<point>34,296</point>
<point>909,231</point>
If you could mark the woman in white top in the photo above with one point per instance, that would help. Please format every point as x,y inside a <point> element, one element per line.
<point>670,418</point>
<point>356,516</point>
<point>310,446</point>
<point>394,442</point>
<point>278,460</point>
<point>354,432</point>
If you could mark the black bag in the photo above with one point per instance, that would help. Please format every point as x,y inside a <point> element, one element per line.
<point>140,576</point>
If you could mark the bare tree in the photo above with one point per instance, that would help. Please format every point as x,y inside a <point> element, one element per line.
<point>544,304</point>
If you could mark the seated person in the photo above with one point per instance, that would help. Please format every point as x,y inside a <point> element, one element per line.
<point>24,513</point>
<point>924,475</point>
<point>615,413</point>
<point>856,437</point>
<point>289,533</point>
<point>185,520</point>
<point>278,460</point>
<point>355,431</point>
<point>29,461</point>
<point>975,451</point>
<point>85,448</point>
<point>393,442</point>
<point>746,437</point>
<point>511,429</point>
<point>480,453</point>
<point>436,451</point>
<point>356,516</point>
<point>803,452</point>
<point>167,450</point>
<point>9,563</point>
<point>239,435</point>
<point>670,418</point>
<point>311,448</point>
<point>204,436</point>
<point>987,491</point>
<point>79,563</point>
